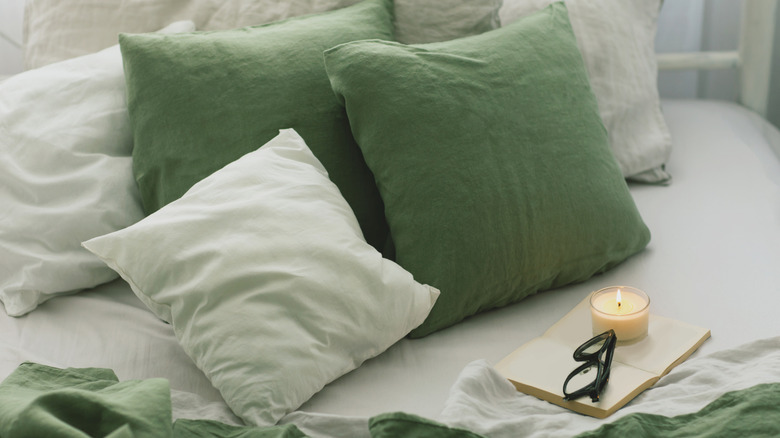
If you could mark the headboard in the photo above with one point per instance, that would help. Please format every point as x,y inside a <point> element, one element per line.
<point>753,58</point>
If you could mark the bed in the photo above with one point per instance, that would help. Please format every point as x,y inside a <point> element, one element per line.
<point>703,179</point>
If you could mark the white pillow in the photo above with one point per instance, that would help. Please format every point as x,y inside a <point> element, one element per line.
<point>65,173</point>
<point>264,273</point>
<point>616,39</point>
<point>60,29</point>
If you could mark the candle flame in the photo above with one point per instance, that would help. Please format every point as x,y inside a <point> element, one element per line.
<point>619,299</point>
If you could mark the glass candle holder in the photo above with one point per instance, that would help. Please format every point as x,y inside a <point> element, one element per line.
<point>624,309</point>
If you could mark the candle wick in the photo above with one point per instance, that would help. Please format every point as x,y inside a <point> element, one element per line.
<point>619,304</point>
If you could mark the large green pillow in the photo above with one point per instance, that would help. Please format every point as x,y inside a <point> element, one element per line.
<point>199,101</point>
<point>492,162</point>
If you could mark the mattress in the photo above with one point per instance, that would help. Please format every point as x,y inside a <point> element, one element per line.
<point>712,262</point>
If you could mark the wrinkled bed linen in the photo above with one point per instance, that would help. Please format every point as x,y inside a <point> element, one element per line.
<point>482,401</point>
<point>734,390</point>
<point>38,400</point>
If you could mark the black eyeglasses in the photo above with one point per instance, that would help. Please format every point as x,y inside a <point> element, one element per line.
<point>591,377</point>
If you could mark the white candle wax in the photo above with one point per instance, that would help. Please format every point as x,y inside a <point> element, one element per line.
<point>629,316</point>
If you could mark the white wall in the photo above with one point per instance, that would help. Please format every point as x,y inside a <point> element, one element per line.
<point>11,12</point>
<point>678,32</point>
<point>692,25</point>
<point>773,112</point>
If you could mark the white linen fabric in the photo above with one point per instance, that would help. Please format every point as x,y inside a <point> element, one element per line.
<point>65,174</point>
<point>264,274</point>
<point>616,39</point>
<point>55,30</point>
<point>428,21</point>
<point>484,402</point>
<point>105,327</point>
<point>504,412</point>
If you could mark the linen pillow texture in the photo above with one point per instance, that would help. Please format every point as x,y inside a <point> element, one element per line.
<point>492,162</point>
<point>263,273</point>
<point>616,39</point>
<point>429,21</point>
<point>60,29</point>
<point>65,173</point>
<point>199,101</point>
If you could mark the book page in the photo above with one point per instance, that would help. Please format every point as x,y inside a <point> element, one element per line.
<point>541,363</point>
<point>540,367</point>
<point>574,328</point>
<point>667,341</point>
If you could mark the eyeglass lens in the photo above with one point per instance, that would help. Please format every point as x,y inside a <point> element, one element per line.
<point>583,379</point>
<point>594,347</point>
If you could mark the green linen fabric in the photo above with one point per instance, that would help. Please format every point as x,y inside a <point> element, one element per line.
<point>400,424</point>
<point>213,429</point>
<point>42,401</point>
<point>201,100</point>
<point>492,162</point>
<point>749,412</point>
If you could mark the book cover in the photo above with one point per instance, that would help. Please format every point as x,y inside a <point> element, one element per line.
<point>540,367</point>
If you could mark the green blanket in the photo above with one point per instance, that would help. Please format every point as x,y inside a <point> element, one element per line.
<point>38,401</point>
<point>41,401</point>
<point>751,412</point>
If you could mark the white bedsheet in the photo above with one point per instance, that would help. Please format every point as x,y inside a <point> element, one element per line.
<point>713,261</point>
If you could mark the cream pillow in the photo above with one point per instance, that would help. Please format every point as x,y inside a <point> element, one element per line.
<point>262,270</point>
<point>616,39</point>
<point>60,29</point>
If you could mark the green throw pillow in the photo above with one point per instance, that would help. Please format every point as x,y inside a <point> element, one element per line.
<point>199,101</point>
<point>492,162</point>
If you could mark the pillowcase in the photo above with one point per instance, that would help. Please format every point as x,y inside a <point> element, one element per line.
<point>200,101</point>
<point>492,162</point>
<point>616,39</point>
<point>265,277</point>
<point>428,21</point>
<point>60,29</point>
<point>65,170</point>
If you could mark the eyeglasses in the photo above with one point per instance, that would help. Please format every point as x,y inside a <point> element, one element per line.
<point>591,377</point>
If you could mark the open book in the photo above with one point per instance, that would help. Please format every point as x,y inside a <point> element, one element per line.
<point>539,367</point>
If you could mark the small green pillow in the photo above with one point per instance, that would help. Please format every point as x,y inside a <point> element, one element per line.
<point>492,162</point>
<point>199,101</point>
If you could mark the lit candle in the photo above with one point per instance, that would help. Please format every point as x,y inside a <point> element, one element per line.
<point>621,308</point>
